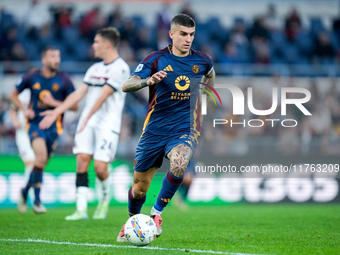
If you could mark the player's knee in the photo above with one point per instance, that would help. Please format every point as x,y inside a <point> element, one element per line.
<point>102,173</point>
<point>83,162</point>
<point>178,168</point>
<point>138,193</point>
<point>101,170</point>
<point>138,190</point>
<point>41,159</point>
<point>84,157</point>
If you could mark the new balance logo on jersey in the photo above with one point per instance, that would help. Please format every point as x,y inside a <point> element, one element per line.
<point>168,68</point>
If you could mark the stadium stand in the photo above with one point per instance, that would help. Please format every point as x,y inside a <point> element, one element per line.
<point>265,38</point>
<point>272,39</point>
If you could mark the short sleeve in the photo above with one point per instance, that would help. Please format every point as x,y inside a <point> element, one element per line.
<point>87,76</point>
<point>144,68</point>
<point>113,83</point>
<point>118,77</point>
<point>22,83</point>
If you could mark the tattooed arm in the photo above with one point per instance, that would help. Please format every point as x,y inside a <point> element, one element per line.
<point>135,82</point>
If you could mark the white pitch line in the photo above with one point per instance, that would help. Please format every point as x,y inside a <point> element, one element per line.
<point>121,246</point>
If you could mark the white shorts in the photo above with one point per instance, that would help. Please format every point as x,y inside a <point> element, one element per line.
<point>24,145</point>
<point>101,143</point>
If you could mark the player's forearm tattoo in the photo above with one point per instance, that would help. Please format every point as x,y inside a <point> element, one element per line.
<point>134,83</point>
<point>179,159</point>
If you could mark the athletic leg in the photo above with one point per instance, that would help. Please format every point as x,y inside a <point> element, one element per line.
<point>36,176</point>
<point>27,155</point>
<point>179,157</point>
<point>84,146</point>
<point>106,143</point>
<point>137,195</point>
<point>82,185</point>
<point>137,192</point>
<point>149,157</point>
<point>28,169</point>
<point>103,189</point>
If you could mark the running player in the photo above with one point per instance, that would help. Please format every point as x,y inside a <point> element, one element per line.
<point>49,88</point>
<point>172,124</point>
<point>99,125</point>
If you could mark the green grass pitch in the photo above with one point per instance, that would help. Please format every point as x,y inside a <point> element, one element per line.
<point>229,229</point>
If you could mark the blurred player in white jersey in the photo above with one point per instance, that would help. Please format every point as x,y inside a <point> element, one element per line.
<point>22,139</point>
<point>100,122</point>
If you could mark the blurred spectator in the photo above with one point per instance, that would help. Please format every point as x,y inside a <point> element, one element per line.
<point>143,39</point>
<point>272,21</point>
<point>115,18</point>
<point>62,19</point>
<point>187,9</point>
<point>261,50</point>
<point>163,38</point>
<point>6,21</point>
<point>259,29</point>
<point>323,49</point>
<point>164,18</point>
<point>208,50</point>
<point>293,24</point>
<point>18,52</point>
<point>163,22</point>
<point>143,43</point>
<point>267,42</point>
<point>126,52</point>
<point>229,55</point>
<point>62,16</point>
<point>7,41</point>
<point>238,34</point>
<point>336,26</point>
<point>36,17</point>
<point>128,31</point>
<point>91,22</point>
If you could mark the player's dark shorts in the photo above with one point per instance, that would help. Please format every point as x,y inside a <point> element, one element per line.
<point>151,149</point>
<point>49,135</point>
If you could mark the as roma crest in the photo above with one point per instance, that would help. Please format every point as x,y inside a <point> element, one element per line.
<point>195,68</point>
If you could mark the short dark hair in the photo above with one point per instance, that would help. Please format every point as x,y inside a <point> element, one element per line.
<point>111,34</point>
<point>183,20</point>
<point>46,49</point>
